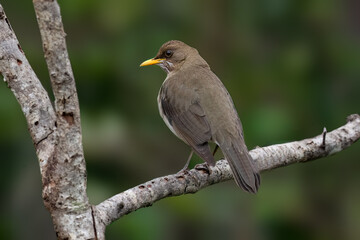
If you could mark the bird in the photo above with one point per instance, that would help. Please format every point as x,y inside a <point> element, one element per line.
<point>198,109</point>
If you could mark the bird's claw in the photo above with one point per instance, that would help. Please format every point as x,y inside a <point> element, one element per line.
<point>203,167</point>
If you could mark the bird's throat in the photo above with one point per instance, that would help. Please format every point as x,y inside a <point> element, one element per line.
<point>166,66</point>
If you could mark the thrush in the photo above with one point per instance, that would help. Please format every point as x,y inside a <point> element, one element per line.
<point>198,109</point>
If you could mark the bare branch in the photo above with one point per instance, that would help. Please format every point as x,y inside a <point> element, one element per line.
<point>194,180</point>
<point>30,94</point>
<point>58,62</point>
<point>24,84</point>
<point>64,184</point>
<point>56,134</point>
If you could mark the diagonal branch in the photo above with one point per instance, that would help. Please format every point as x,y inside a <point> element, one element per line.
<point>194,180</point>
<point>24,84</point>
<point>30,94</point>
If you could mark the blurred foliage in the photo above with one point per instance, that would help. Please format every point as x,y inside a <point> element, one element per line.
<point>292,67</point>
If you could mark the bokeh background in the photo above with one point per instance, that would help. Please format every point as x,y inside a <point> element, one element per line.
<point>292,67</point>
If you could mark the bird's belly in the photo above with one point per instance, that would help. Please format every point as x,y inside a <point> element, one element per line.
<point>166,120</point>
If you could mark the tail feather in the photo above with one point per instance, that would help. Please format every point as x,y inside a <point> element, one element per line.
<point>244,171</point>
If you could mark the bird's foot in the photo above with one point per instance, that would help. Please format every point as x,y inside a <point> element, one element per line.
<point>203,167</point>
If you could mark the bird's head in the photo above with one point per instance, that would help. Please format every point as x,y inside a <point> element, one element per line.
<point>172,55</point>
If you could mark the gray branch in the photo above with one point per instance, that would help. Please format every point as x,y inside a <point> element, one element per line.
<point>56,134</point>
<point>25,85</point>
<point>266,158</point>
<point>64,185</point>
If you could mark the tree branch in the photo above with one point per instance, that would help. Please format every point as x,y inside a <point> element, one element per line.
<point>266,158</point>
<point>64,188</point>
<point>25,85</point>
<point>55,134</point>
<point>58,62</point>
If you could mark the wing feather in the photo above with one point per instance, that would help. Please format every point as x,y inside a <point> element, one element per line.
<point>191,124</point>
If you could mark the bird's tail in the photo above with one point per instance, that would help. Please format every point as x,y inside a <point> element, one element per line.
<point>245,172</point>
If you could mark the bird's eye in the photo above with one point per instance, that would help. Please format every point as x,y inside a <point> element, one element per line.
<point>168,53</point>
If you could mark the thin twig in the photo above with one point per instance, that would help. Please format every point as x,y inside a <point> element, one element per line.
<point>323,144</point>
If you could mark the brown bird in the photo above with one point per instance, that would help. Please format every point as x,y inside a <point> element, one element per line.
<point>198,109</point>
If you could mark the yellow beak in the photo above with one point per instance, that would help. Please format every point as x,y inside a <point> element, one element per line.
<point>151,62</point>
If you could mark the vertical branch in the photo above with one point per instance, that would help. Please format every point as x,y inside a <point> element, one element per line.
<point>56,134</point>
<point>64,189</point>
<point>58,62</point>
<point>70,154</point>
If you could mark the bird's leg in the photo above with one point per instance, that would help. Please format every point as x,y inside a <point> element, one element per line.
<point>186,167</point>
<point>215,149</point>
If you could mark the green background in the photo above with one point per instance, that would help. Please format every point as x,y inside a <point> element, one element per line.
<point>292,67</point>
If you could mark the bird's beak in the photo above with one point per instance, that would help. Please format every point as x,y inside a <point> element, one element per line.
<point>152,61</point>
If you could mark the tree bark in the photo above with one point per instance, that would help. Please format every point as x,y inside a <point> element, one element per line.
<point>56,134</point>
<point>64,184</point>
<point>266,158</point>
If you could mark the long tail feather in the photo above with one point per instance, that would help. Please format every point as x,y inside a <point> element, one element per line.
<point>244,171</point>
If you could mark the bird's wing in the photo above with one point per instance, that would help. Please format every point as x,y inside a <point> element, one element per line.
<point>191,124</point>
